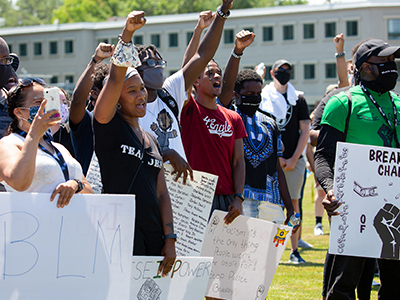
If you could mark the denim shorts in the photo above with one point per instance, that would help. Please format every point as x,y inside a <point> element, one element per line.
<point>263,210</point>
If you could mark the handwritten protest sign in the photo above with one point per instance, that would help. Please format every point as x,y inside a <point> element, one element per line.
<point>81,251</point>
<point>191,204</point>
<point>367,183</point>
<point>187,279</point>
<point>246,254</point>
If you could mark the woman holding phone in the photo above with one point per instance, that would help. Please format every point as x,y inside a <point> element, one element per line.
<point>130,159</point>
<point>30,161</point>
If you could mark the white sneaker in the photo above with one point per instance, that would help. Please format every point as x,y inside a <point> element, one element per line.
<point>318,229</point>
<point>303,244</point>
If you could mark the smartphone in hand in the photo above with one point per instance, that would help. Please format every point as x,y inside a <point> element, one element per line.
<point>52,95</point>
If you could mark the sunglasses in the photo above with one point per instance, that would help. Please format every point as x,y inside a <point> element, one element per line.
<point>25,82</point>
<point>152,62</point>
<point>7,60</point>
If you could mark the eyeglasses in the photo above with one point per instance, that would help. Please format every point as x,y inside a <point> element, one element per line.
<point>152,62</point>
<point>7,60</point>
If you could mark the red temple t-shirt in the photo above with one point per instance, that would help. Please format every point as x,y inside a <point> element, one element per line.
<point>208,137</point>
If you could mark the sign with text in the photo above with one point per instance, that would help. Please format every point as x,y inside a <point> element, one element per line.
<point>246,254</point>
<point>191,205</point>
<point>367,183</point>
<point>81,251</point>
<point>187,279</point>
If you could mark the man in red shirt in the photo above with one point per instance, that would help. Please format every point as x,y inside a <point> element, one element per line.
<point>213,140</point>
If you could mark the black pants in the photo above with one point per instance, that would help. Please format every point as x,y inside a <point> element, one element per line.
<point>147,242</point>
<point>346,272</point>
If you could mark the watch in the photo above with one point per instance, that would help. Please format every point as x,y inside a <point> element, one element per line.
<point>170,236</point>
<point>80,185</point>
<point>240,196</point>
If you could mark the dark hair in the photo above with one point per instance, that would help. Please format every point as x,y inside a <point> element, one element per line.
<point>246,75</point>
<point>16,98</point>
<point>141,49</point>
<point>100,72</point>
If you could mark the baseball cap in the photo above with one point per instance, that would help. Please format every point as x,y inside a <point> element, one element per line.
<point>374,47</point>
<point>15,63</point>
<point>280,63</point>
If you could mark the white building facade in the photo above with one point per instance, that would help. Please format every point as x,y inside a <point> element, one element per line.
<point>302,34</point>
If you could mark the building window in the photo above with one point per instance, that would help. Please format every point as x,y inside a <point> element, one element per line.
<point>54,80</point>
<point>268,34</point>
<point>293,72</point>
<point>229,36</point>
<point>102,40</point>
<point>188,37</point>
<point>173,39</point>
<point>330,70</point>
<point>69,79</point>
<point>53,48</point>
<point>288,32</point>
<point>10,48</point>
<point>268,73</point>
<point>352,28</point>
<point>155,40</point>
<point>394,29</point>
<point>309,71</point>
<point>37,48</point>
<point>23,50</point>
<point>330,30</point>
<point>69,47</point>
<point>308,31</point>
<point>138,39</point>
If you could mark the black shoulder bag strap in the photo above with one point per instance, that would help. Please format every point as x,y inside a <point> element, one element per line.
<point>170,102</point>
<point>346,127</point>
<point>266,113</point>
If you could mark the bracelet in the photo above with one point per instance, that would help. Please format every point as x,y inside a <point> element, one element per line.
<point>93,60</point>
<point>80,185</point>
<point>236,55</point>
<point>240,196</point>
<point>170,236</point>
<point>341,54</point>
<point>122,42</point>
<point>221,14</point>
<point>125,55</point>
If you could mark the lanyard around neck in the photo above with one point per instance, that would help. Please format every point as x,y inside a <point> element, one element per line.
<point>59,158</point>
<point>379,108</point>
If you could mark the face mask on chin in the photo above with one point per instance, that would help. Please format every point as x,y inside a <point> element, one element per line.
<point>387,77</point>
<point>249,104</point>
<point>283,76</point>
<point>153,78</point>
<point>5,74</point>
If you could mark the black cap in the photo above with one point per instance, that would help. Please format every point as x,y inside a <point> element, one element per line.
<point>374,48</point>
<point>15,63</point>
<point>280,63</point>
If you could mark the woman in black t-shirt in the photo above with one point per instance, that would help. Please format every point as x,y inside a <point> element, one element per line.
<point>130,159</point>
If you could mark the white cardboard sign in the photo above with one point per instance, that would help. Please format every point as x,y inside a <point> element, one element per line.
<point>367,182</point>
<point>81,251</point>
<point>246,254</point>
<point>187,279</point>
<point>191,205</point>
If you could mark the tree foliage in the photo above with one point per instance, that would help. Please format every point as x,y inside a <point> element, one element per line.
<point>33,12</point>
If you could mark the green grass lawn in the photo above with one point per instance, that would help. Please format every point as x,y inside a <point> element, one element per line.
<point>305,281</point>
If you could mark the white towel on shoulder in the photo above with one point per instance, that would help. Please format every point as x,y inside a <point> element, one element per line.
<point>274,103</point>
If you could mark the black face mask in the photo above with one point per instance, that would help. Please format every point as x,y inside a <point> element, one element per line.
<point>5,74</point>
<point>249,104</point>
<point>387,78</point>
<point>283,76</point>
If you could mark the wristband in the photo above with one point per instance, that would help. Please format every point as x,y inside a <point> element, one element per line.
<point>221,14</point>
<point>240,196</point>
<point>80,185</point>
<point>236,55</point>
<point>341,54</point>
<point>170,236</point>
<point>125,55</point>
<point>93,60</point>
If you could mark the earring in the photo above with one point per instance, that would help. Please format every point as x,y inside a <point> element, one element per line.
<point>119,106</point>
<point>19,123</point>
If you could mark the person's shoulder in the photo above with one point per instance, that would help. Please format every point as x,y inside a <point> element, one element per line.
<point>229,112</point>
<point>11,139</point>
<point>173,79</point>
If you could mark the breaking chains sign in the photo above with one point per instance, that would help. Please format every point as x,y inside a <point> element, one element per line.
<point>367,183</point>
